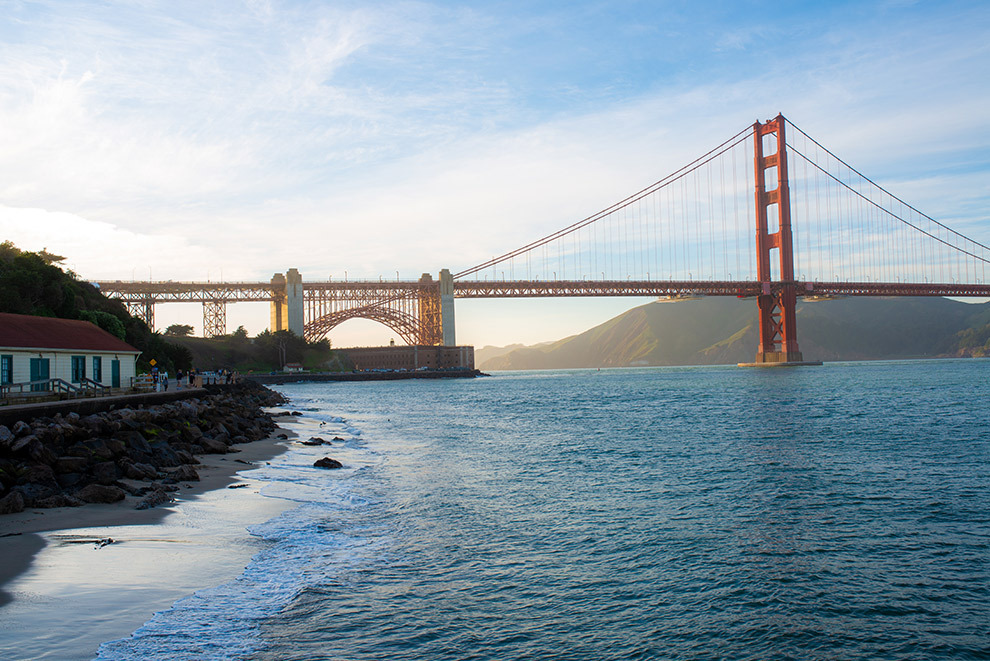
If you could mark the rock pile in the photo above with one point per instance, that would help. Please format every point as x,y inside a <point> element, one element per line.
<point>70,460</point>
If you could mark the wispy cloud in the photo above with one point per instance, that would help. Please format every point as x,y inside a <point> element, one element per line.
<point>413,136</point>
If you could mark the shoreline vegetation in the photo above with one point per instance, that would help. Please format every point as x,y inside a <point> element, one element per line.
<point>127,466</point>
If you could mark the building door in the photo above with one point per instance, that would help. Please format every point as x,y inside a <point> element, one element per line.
<point>39,372</point>
<point>115,373</point>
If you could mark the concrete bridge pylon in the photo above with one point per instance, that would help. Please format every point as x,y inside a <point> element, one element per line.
<point>287,309</point>
<point>447,308</point>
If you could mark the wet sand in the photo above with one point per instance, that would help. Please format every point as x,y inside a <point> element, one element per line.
<point>61,594</point>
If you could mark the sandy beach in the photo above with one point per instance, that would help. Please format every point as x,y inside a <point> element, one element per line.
<point>62,593</point>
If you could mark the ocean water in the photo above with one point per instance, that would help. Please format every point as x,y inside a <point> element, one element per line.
<point>826,512</point>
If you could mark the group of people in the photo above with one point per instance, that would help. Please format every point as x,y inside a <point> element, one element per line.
<point>195,378</point>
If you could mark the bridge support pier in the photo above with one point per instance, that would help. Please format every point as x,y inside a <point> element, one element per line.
<point>294,302</point>
<point>429,311</point>
<point>143,310</point>
<point>287,307</point>
<point>214,318</point>
<point>279,310</point>
<point>778,299</point>
<point>448,338</point>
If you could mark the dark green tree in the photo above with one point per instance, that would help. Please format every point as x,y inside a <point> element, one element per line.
<point>179,330</point>
<point>104,320</point>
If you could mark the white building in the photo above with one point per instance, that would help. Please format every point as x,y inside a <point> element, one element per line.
<point>38,348</point>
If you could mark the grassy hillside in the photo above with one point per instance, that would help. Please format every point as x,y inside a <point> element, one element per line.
<point>263,353</point>
<point>714,330</point>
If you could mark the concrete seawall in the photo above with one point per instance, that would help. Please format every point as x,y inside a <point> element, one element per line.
<point>278,379</point>
<point>89,405</point>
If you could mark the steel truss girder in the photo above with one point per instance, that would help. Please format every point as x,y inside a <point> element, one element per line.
<point>214,318</point>
<point>893,289</point>
<point>187,292</point>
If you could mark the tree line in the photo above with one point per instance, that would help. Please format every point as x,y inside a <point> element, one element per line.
<point>33,283</point>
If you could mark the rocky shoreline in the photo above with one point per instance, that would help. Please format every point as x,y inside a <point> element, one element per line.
<point>70,460</point>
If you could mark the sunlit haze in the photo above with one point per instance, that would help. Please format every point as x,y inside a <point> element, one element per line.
<point>181,140</point>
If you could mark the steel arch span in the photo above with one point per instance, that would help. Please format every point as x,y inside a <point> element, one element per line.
<point>403,323</point>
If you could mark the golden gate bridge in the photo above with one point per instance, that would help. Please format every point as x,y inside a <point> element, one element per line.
<point>769,214</point>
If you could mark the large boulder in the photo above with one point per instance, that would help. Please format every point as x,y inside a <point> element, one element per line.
<point>140,471</point>
<point>41,475</point>
<point>32,492</point>
<point>71,465</point>
<point>100,493</point>
<point>164,455</point>
<point>70,480</point>
<point>105,472</point>
<point>6,437</point>
<point>153,498</point>
<point>21,428</point>
<point>185,456</point>
<point>12,503</point>
<point>116,447</point>
<point>213,446</point>
<point>8,474</point>
<point>134,440</point>
<point>184,473</point>
<point>98,448</point>
<point>96,424</point>
<point>58,500</point>
<point>188,410</point>
<point>327,462</point>
<point>25,444</point>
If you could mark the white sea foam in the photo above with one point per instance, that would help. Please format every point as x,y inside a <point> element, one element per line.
<point>223,622</point>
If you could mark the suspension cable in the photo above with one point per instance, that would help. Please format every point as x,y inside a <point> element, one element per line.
<point>674,176</point>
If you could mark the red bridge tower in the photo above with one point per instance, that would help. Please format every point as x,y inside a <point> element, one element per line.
<point>778,297</point>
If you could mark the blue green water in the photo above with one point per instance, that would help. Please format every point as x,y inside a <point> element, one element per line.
<point>826,512</point>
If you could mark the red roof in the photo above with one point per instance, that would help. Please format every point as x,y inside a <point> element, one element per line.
<point>28,332</point>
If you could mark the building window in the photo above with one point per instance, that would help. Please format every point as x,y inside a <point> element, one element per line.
<point>6,369</point>
<point>98,369</point>
<point>78,368</point>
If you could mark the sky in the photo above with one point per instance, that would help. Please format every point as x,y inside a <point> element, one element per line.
<point>229,140</point>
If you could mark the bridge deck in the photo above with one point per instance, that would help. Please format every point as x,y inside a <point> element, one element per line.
<point>204,292</point>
